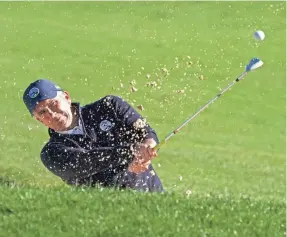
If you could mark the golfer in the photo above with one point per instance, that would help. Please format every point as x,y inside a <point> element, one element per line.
<point>106,143</point>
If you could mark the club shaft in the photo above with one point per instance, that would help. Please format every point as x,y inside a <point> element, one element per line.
<point>200,110</point>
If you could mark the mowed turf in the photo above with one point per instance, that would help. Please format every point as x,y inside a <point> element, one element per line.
<point>178,55</point>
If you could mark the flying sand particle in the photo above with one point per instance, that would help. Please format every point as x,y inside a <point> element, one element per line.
<point>140,107</point>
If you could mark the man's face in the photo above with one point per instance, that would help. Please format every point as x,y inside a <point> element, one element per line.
<point>55,113</point>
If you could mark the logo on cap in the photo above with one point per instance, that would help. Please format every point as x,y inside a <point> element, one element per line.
<point>34,92</point>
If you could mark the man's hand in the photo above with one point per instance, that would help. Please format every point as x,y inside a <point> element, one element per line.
<point>143,154</point>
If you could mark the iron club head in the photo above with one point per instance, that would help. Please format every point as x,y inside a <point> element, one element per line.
<point>253,64</point>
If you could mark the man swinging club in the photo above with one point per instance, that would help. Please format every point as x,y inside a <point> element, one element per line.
<point>79,135</point>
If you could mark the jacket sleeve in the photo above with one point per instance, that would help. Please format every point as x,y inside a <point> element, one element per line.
<point>76,163</point>
<point>131,118</point>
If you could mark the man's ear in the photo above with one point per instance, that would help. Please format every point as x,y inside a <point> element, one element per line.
<point>67,96</point>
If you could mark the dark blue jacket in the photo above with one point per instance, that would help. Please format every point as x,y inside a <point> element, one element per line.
<point>81,159</point>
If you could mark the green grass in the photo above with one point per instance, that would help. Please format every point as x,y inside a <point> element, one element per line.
<point>232,156</point>
<point>105,213</point>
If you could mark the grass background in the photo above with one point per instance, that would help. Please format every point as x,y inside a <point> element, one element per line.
<point>232,156</point>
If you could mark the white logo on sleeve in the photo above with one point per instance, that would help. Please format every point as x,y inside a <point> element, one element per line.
<point>106,125</point>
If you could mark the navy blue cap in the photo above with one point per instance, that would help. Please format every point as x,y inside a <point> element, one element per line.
<point>38,91</point>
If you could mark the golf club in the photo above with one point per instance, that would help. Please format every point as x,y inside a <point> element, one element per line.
<point>251,66</point>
